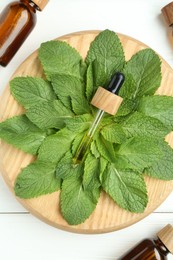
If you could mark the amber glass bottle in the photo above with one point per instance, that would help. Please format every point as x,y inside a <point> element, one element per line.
<point>167,12</point>
<point>17,20</point>
<point>156,249</point>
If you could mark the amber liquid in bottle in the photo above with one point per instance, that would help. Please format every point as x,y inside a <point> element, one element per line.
<point>147,250</point>
<point>16,22</point>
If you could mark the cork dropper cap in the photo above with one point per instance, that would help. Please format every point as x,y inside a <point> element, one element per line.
<point>167,12</point>
<point>166,236</point>
<point>40,3</point>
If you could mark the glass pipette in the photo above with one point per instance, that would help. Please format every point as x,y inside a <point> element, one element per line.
<point>113,88</point>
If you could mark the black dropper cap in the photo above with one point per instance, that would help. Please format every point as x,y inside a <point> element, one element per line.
<point>116,83</point>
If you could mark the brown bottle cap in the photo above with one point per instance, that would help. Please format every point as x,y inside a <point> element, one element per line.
<point>166,236</point>
<point>167,12</point>
<point>106,101</point>
<point>40,3</point>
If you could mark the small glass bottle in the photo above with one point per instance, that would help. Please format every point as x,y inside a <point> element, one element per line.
<point>156,249</point>
<point>17,20</point>
<point>167,12</point>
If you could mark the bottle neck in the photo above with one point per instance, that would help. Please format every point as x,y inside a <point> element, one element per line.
<point>161,247</point>
<point>31,4</point>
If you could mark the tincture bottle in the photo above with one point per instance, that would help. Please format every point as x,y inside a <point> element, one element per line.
<point>167,12</point>
<point>17,20</point>
<point>156,249</point>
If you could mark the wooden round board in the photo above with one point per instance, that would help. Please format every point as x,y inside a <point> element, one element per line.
<point>107,215</point>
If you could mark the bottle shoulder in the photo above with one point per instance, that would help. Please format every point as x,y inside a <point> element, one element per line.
<point>22,6</point>
<point>17,11</point>
<point>144,250</point>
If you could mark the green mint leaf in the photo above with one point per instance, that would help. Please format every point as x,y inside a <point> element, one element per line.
<point>65,168</point>
<point>50,114</point>
<point>113,133</point>
<point>79,123</point>
<point>71,91</point>
<point>129,87</point>
<point>90,89</point>
<point>128,106</point>
<point>142,73</point>
<point>94,150</point>
<point>126,187</point>
<point>103,165</point>
<point>106,120</point>
<point>162,168</point>
<point>55,146</point>
<point>160,107</point>
<point>106,54</point>
<point>143,126</point>
<point>80,106</point>
<point>91,175</point>
<point>76,203</point>
<point>138,153</point>
<point>29,91</point>
<point>91,180</point>
<point>23,134</point>
<point>105,148</point>
<point>76,143</point>
<point>36,179</point>
<point>59,57</point>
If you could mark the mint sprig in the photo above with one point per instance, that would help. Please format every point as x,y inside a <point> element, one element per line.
<point>126,187</point>
<point>37,179</point>
<point>23,134</point>
<point>125,147</point>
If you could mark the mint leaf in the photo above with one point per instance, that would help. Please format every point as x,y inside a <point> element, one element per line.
<point>142,126</point>
<point>65,168</point>
<point>128,106</point>
<point>138,153</point>
<point>30,91</point>
<point>71,92</point>
<point>142,73</point>
<point>91,180</point>
<point>113,133</point>
<point>55,146</point>
<point>76,143</point>
<point>36,179</point>
<point>90,88</point>
<point>22,134</point>
<point>126,187</point>
<point>162,168</point>
<point>127,91</point>
<point>80,105</point>
<point>94,150</point>
<point>50,114</point>
<point>106,54</point>
<point>91,175</point>
<point>77,204</point>
<point>105,148</point>
<point>79,123</point>
<point>59,57</point>
<point>103,165</point>
<point>160,107</point>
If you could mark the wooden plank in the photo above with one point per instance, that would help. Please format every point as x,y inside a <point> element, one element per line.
<point>107,216</point>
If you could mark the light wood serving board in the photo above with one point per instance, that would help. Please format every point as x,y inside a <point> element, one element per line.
<point>107,215</point>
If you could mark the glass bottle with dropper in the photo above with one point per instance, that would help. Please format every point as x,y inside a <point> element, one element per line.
<point>153,249</point>
<point>17,21</point>
<point>106,100</point>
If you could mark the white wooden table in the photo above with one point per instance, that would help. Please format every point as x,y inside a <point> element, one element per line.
<point>23,236</point>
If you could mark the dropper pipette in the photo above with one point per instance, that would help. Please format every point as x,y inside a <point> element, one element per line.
<point>107,100</point>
